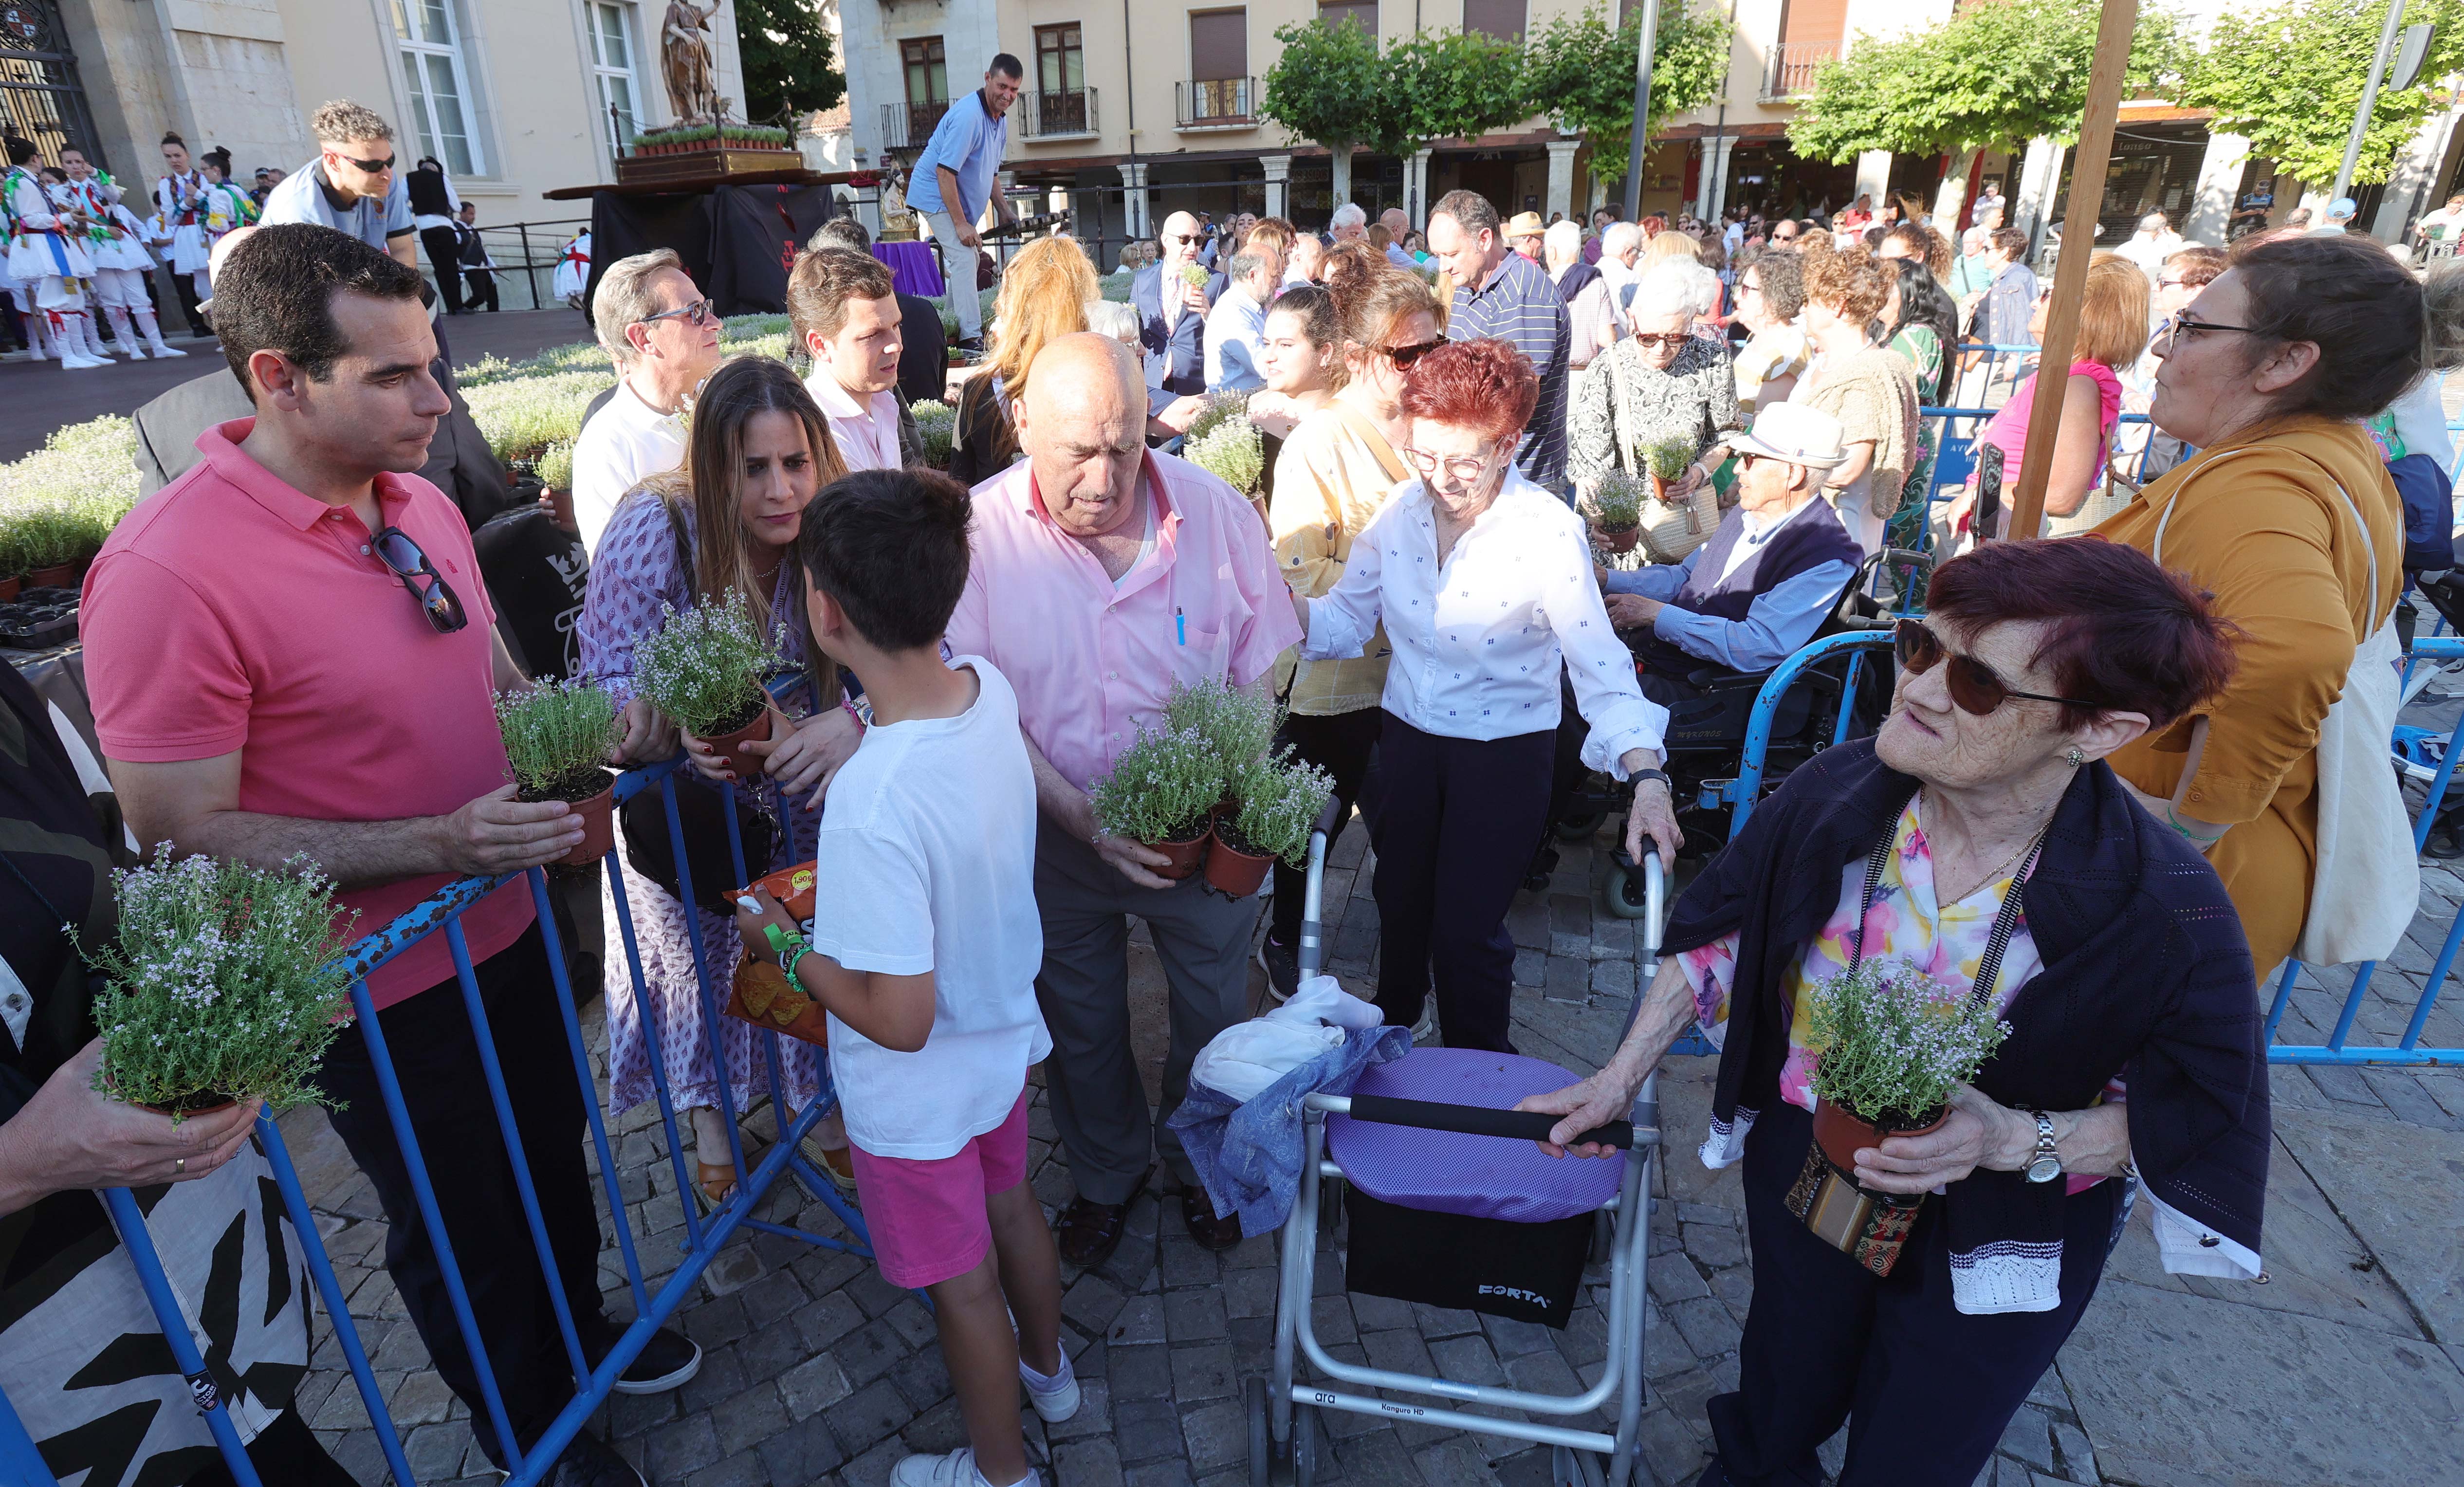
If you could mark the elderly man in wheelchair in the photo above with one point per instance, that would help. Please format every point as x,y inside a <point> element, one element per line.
<point>1707,631</point>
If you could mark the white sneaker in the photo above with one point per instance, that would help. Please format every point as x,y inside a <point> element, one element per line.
<point>1055,1399</point>
<point>1427,1027</point>
<point>77,361</point>
<point>958,1468</point>
<point>163,352</point>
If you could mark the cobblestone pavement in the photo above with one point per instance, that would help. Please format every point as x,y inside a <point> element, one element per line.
<point>2348,1367</point>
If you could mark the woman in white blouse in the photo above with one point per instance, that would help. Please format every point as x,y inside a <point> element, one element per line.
<point>1484,583</point>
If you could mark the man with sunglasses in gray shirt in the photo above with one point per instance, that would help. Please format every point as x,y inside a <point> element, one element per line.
<point>352,185</point>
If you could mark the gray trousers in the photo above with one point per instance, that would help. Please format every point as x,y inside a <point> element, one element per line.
<point>1098,1105</point>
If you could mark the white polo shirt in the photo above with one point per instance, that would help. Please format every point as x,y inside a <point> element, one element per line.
<point>626,443</point>
<point>866,432</point>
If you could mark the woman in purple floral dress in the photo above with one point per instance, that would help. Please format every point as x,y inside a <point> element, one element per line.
<point>759,449</point>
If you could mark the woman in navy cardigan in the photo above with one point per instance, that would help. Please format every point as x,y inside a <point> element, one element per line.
<point>1980,841</point>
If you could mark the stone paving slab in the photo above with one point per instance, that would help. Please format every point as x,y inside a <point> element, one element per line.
<point>2346,1368</point>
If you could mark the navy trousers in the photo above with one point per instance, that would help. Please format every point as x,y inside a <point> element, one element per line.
<point>1925,1390</point>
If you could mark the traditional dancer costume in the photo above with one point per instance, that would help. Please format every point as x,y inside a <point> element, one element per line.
<point>121,261</point>
<point>177,199</point>
<point>42,252</point>
<point>573,270</point>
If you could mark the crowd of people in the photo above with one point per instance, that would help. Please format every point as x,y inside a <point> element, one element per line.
<point>2133,731</point>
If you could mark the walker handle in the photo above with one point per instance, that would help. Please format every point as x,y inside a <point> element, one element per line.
<point>1480,1121</point>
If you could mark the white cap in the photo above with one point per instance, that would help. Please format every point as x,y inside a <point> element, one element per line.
<point>1797,433</point>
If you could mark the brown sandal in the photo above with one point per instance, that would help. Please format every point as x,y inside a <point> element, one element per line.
<point>713,1183</point>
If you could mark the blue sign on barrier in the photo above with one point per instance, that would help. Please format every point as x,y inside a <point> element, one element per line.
<point>20,1456</point>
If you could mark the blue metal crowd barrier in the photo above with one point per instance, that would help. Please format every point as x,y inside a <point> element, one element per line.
<point>20,1458</point>
<point>1742,794</point>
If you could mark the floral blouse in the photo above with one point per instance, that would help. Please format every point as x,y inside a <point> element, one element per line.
<point>1942,942</point>
<point>632,573</point>
<point>1694,398</point>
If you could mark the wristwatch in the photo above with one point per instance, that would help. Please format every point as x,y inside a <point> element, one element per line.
<point>2046,1163</point>
<point>1642,775</point>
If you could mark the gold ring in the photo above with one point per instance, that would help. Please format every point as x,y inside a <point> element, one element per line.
<point>179,1165</point>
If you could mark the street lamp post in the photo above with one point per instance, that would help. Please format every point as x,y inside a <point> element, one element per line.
<point>1641,111</point>
<point>2369,98</point>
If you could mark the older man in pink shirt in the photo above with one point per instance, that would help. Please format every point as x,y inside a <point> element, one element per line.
<point>1102,574</point>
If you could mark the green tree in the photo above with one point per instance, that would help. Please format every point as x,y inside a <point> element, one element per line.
<point>1580,72</point>
<point>1326,87</point>
<point>1997,73</point>
<point>2291,78</point>
<point>1447,86</point>
<point>790,64</point>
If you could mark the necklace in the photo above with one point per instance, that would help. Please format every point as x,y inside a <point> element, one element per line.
<point>1998,873</point>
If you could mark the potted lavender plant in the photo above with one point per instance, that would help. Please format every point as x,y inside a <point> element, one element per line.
<point>704,669</point>
<point>557,736</point>
<point>1160,794</point>
<point>1892,1042</point>
<point>223,984</point>
<point>1278,801</point>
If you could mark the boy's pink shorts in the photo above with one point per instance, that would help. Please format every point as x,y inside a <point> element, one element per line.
<point>927,1217</point>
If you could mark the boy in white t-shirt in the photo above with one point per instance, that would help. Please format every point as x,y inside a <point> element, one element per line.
<point>924,949</point>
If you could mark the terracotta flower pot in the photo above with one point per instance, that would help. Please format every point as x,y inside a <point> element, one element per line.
<point>746,766</point>
<point>561,502</point>
<point>59,576</point>
<point>205,1101</point>
<point>7,589</point>
<point>1659,488</point>
<point>1621,540</point>
<point>1234,871</point>
<point>1186,857</point>
<point>1842,1134</point>
<point>598,828</point>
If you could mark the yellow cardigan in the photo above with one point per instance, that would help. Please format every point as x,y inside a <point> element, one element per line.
<point>2270,538</point>
<point>1336,472</point>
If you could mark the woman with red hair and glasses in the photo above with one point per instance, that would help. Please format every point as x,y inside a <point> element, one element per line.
<point>1484,583</point>
<point>1979,842</point>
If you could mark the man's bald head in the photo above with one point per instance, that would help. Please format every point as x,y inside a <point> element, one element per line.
<point>1083,425</point>
<point>1180,226</point>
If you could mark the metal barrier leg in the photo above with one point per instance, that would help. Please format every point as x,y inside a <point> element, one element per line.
<point>655,1045</point>
<point>589,1086</point>
<point>19,1461</point>
<point>139,1245</point>
<point>338,1306</point>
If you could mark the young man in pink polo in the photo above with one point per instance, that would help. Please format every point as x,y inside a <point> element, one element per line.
<point>924,949</point>
<point>291,652</point>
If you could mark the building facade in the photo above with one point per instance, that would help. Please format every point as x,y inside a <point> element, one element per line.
<point>515,98</point>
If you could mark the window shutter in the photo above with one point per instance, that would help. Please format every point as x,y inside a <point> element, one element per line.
<point>1503,19</point>
<point>1218,45</point>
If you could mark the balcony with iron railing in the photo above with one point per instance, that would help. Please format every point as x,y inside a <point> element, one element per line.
<point>1789,71</point>
<point>1215,104</point>
<point>1064,114</point>
<point>907,126</point>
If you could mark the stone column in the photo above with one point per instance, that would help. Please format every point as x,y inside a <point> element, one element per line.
<point>2212,199</point>
<point>1416,187</point>
<point>1279,185</point>
<point>1873,175</point>
<point>1561,177</point>
<point>2038,175</point>
<point>1134,200</point>
<point>1714,197</point>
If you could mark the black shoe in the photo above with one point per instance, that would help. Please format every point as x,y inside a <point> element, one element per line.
<point>1211,1232</point>
<point>668,1361</point>
<point>1282,964</point>
<point>972,345</point>
<point>589,1462</point>
<point>1089,1231</point>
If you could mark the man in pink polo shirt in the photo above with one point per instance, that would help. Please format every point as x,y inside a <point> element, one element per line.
<point>291,653</point>
<point>1101,574</point>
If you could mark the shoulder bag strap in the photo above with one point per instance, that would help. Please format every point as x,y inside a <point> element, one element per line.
<point>1989,970</point>
<point>683,546</point>
<point>1621,414</point>
<point>1875,861</point>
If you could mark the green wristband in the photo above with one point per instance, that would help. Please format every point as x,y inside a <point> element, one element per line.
<point>779,939</point>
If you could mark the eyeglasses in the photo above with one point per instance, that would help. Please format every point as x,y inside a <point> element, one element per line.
<point>2180,320</point>
<point>372,166</point>
<point>1405,356</point>
<point>1464,469</point>
<point>699,311</point>
<point>1973,684</point>
<point>1672,341</point>
<point>436,599</point>
<point>1184,239</point>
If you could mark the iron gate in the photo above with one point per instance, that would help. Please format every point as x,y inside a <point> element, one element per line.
<point>40,95</point>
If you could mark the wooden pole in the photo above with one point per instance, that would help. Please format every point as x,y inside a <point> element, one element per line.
<point>2070,272</point>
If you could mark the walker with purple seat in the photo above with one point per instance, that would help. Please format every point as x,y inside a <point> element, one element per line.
<point>1432,1135</point>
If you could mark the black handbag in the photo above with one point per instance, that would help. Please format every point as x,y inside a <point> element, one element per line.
<point>701,813</point>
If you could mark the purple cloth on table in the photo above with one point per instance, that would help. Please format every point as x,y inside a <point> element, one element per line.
<point>912,267</point>
<point>1447,1173</point>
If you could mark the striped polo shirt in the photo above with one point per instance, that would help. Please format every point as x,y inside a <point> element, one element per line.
<point>1521,307</point>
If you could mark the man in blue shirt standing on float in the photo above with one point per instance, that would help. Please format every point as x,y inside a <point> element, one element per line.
<point>953,180</point>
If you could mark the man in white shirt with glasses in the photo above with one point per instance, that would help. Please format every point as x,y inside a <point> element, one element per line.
<point>663,336</point>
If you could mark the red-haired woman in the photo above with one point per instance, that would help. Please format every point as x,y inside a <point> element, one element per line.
<point>1982,844</point>
<point>1483,582</point>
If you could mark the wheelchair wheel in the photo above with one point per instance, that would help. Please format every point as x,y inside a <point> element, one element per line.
<point>1579,828</point>
<point>1262,1445</point>
<point>1625,895</point>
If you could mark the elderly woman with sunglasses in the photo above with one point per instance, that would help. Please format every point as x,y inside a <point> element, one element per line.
<point>1981,843</point>
<point>1483,584</point>
<point>1662,382</point>
<point>2287,516</point>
